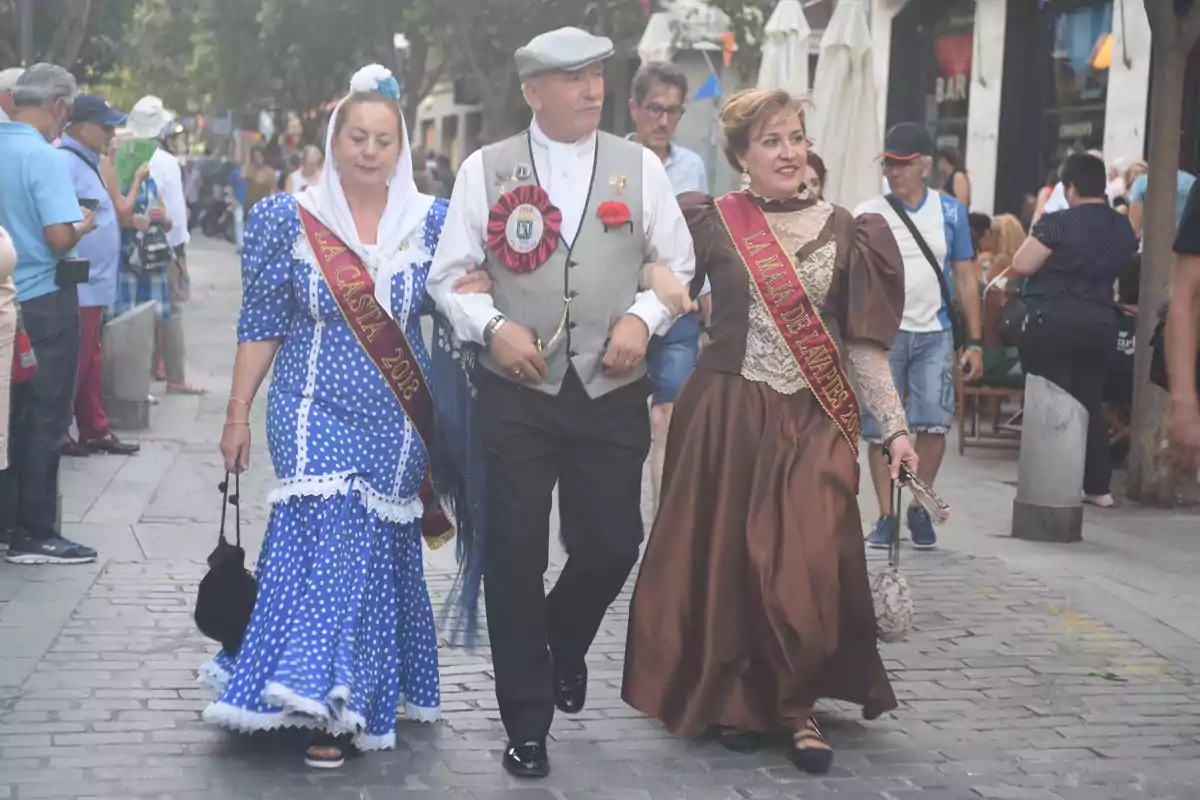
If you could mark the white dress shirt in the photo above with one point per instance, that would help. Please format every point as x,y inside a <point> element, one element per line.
<point>1057,201</point>
<point>564,170</point>
<point>168,175</point>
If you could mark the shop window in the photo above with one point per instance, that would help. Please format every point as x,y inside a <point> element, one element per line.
<point>948,96</point>
<point>1081,50</point>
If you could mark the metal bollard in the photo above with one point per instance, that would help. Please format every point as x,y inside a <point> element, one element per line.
<point>1049,504</point>
<point>128,353</point>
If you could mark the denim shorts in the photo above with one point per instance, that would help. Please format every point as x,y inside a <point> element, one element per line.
<point>671,358</point>
<point>923,369</point>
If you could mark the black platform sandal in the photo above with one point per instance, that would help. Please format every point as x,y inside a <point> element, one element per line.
<point>326,751</point>
<point>740,741</point>
<point>810,752</point>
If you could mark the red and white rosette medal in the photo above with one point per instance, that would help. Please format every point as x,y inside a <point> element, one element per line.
<point>523,228</point>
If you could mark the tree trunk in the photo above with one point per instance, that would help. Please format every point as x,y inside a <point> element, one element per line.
<point>416,64</point>
<point>1152,478</point>
<point>69,33</point>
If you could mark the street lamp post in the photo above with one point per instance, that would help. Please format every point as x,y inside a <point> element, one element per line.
<point>25,19</point>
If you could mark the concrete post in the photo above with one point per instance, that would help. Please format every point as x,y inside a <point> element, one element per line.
<point>1049,504</point>
<point>128,343</point>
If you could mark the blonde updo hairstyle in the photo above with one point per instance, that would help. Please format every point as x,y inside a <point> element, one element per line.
<point>745,114</point>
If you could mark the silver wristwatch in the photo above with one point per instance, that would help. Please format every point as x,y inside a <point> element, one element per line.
<point>489,330</point>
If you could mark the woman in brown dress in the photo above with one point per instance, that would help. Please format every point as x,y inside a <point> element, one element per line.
<point>753,597</point>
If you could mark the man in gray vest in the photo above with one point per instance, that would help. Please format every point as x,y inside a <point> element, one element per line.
<point>564,219</point>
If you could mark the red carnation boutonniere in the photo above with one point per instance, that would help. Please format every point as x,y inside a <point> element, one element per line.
<point>614,214</point>
<point>522,229</point>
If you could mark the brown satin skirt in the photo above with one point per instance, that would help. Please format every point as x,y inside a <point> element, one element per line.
<point>753,598</point>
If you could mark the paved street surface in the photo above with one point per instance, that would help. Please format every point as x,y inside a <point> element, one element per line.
<point>1037,672</point>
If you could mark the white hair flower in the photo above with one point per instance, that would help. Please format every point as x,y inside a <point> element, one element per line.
<point>376,78</point>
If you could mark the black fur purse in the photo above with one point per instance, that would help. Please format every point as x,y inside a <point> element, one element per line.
<point>227,593</point>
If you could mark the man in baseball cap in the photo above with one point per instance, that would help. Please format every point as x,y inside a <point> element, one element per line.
<point>934,237</point>
<point>88,138</point>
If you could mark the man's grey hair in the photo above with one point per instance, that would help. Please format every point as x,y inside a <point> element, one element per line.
<point>8,78</point>
<point>42,85</point>
<point>658,72</point>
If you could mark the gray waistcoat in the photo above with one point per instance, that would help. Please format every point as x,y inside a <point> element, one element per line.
<point>600,270</point>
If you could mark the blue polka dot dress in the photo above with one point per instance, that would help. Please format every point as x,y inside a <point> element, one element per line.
<point>342,634</point>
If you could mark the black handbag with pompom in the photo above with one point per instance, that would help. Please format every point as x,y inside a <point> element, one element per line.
<point>227,593</point>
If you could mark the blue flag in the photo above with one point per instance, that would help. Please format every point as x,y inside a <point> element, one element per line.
<point>711,88</point>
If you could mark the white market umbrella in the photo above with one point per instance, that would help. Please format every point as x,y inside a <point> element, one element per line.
<point>785,50</point>
<point>658,40</point>
<point>844,120</point>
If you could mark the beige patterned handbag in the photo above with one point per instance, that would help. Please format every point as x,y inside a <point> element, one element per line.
<point>889,589</point>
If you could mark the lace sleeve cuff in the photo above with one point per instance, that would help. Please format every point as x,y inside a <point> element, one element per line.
<point>876,389</point>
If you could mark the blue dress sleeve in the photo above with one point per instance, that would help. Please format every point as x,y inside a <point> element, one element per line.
<point>268,296</point>
<point>433,234</point>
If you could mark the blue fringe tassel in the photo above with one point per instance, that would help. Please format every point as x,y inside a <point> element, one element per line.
<point>457,466</point>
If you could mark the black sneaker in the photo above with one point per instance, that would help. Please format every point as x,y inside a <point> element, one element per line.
<point>48,551</point>
<point>5,537</point>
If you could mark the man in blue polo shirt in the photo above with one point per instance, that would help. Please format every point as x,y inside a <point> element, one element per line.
<point>39,209</point>
<point>938,261</point>
<point>656,105</point>
<point>91,132</point>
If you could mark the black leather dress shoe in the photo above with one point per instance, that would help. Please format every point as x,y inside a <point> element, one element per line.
<point>570,691</point>
<point>529,760</point>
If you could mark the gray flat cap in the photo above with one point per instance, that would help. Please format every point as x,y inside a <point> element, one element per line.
<point>566,49</point>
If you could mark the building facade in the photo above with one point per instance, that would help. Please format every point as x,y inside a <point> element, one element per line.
<point>1016,85</point>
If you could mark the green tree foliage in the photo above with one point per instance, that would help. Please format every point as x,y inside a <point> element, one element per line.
<point>83,35</point>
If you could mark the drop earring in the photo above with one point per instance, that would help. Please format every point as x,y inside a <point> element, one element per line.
<point>745,178</point>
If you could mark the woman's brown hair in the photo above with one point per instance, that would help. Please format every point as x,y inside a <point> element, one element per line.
<point>746,111</point>
<point>361,99</point>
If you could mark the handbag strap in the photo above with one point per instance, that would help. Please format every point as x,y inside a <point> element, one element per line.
<point>894,532</point>
<point>227,500</point>
<point>901,212</point>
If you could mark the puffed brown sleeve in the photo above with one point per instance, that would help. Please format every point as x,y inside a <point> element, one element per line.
<point>873,292</point>
<point>700,213</point>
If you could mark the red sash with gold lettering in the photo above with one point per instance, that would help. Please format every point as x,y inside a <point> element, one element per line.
<point>799,324</point>
<point>386,345</point>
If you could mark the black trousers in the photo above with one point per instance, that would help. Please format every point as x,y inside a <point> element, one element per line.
<point>594,450</point>
<point>1073,347</point>
<point>42,409</point>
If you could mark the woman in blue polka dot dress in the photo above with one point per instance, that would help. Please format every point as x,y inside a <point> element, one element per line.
<point>342,634</point>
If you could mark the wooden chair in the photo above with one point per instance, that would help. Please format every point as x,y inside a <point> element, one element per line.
<point>999,396</point>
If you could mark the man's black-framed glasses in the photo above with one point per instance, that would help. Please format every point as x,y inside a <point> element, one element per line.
<point>657,111</point>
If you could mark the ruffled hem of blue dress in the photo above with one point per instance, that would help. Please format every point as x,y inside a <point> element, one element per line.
<point>297,711</point>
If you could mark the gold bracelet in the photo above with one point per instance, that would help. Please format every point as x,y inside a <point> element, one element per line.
<point>239,401</point>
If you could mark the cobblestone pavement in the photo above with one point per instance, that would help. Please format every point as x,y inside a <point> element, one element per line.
<point>1006,691</point>
<point>1010,688</point>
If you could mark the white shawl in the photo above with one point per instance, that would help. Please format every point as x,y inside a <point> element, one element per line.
<point>400,240</point>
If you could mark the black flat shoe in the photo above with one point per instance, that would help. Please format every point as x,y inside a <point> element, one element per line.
<point>810,752</point>
<point>570,691</point>
<point>739,741</point>
<point>529,760</point>
<point>112,445</point>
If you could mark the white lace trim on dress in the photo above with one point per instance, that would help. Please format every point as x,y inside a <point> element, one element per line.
<point>303,712</point>
<point>388,509</point>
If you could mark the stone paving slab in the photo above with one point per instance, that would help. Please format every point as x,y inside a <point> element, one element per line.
<point>1007,692</point>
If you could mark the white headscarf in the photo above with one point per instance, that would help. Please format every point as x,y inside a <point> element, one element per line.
<point>403,219</point>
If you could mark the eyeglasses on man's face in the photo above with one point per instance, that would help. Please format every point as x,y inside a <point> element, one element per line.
<point>658,111</point>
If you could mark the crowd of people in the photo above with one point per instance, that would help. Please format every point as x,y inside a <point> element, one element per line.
<point>92,206</point>
<point>593,306</point>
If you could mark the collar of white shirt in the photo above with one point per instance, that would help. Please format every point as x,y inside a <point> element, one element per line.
<point>585,146</point>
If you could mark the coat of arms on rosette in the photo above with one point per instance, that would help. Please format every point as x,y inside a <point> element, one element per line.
<point>522,229</point>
